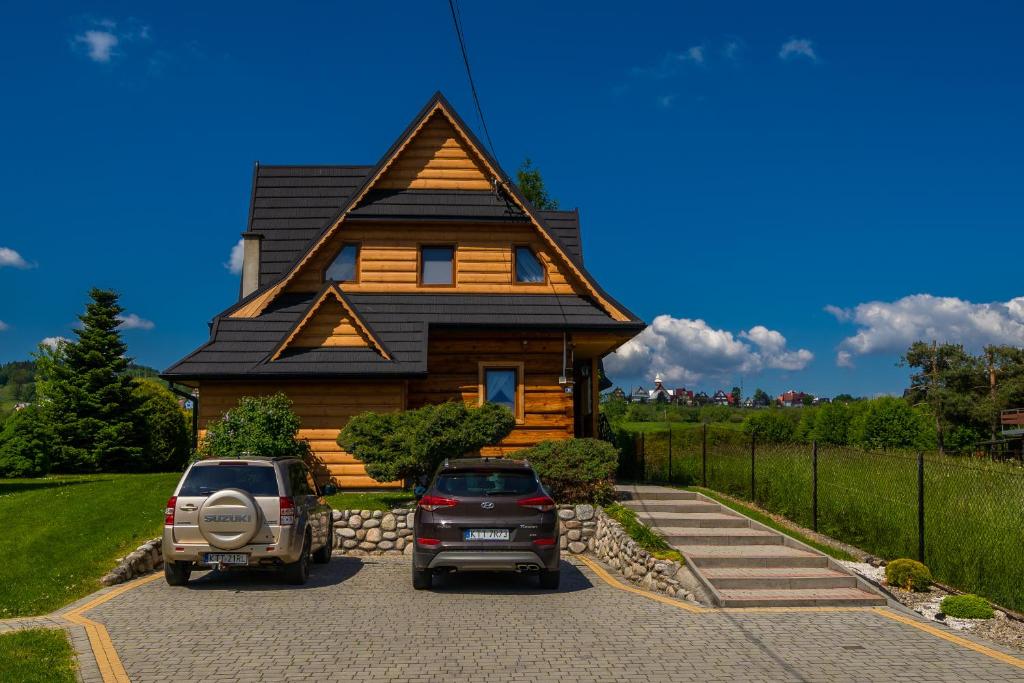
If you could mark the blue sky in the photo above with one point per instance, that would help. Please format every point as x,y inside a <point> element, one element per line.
<point>799,188</point>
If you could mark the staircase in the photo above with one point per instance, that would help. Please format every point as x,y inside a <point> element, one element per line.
<point>743,563</point>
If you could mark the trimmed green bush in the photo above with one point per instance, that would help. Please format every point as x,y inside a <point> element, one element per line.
<point>259,425</point>
<point>575,470</point>
<point>966,606</point>
<point>411,444</point>
<point>908,574</point>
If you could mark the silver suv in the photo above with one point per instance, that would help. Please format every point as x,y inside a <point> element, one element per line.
<point>246,512</point>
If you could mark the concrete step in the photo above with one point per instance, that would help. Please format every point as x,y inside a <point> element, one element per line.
<point>809,597</point>
<point>642,506</point>
<point>776,578</point>
<point>739,556</point>
<point>719,537</point>
<point>704,520</point>
<point>640,492</point>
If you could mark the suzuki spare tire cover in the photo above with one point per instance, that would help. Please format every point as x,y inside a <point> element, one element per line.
<point>229,519</point>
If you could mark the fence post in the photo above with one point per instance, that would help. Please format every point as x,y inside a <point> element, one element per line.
<point>670,453</point>
<point>643,456</point>
<point>814,485</point>
<point>920,507</point>
<point>753,481</point>
<point>704,455</point>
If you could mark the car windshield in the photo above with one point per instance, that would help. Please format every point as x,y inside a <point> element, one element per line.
<point>202,480</point>
<point>486,483</point>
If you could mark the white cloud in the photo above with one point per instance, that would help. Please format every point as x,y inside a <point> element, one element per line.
<point>798,47</point>
<point>103,40</point>
<point>234,263</point>
<point>890,327</point>
<point>100,44</point>
<point>732,49</point>
<point>694,53</point>
<point>54,342</point>
<point>11,258</point>
<point>690,351</point>
<point>134,322</point>
<point>4,326</point>
<point>666,101</point>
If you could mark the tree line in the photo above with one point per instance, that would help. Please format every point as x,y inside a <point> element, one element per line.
<point>91,412</point>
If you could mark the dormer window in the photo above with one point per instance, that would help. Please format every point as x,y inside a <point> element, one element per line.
<point>345,267</point>
<point>528,268</point>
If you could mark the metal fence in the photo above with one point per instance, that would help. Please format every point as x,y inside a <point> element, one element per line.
<point>961,516</point>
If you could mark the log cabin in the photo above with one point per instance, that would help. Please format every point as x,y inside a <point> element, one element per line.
<point>425,278</point>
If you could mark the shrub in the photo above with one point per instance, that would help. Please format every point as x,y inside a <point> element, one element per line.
<point>966,606</point>
<point>832,424</point>
<point>165,427</point>
<point>888,423</point>
<point>411,444</point>
<point>24,445</point>
<point>263,425</point>
<point>575,470</point>
<point>908,574</point>
<point>645,537</point>
<point>715,414</point>
<point>770,426</point>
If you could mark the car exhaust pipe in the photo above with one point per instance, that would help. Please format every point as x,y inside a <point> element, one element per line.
<point>524,567</point>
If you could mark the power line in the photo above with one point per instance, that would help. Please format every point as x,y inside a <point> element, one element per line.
<point>452,4</point>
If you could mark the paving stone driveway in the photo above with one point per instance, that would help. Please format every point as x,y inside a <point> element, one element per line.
<point>360,620</point>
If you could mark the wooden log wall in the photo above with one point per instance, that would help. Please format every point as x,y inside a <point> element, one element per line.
<point>454,359</point>
<point>436,158</point>
<point>324,407</point>
<point>389,259</point>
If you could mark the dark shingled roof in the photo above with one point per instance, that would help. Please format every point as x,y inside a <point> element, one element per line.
<point>292,205</point>
<point>243,346</point>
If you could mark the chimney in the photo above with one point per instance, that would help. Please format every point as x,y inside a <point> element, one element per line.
<point>250,262</point>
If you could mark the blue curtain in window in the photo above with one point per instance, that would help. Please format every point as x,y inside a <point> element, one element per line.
<point>528,267</point>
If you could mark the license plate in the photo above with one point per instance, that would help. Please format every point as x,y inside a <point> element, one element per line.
<point>486,535</point>
<point>226,558</point>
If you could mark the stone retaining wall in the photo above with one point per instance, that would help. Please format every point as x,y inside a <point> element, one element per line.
<point>617,549</point>
<point>142,560</point>
<point>376,532</point>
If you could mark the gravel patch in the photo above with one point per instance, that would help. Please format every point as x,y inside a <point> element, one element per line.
<point>1002,628</point>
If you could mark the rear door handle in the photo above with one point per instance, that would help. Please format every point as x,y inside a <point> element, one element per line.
<point>189,507</point>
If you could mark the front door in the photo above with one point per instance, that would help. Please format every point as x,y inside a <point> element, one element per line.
<point>583,398</point>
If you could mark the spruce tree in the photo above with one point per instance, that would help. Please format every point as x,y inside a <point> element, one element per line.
<point>88,396</point>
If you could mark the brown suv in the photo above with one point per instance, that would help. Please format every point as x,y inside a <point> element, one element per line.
<point>246,512</point>
<point>485,514</point>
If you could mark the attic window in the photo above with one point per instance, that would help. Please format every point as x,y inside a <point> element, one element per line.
<point>529,270</point>
<point>437,266</point>
<point>345,265</point>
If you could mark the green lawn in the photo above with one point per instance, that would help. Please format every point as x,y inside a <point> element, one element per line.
<point>386,500</point>
<point>38,655</point>
<point>62,533</point>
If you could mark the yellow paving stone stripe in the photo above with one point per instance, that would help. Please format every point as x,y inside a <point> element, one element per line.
<point>963,642</point>
<point>881,611</point>
<point>109,663</point>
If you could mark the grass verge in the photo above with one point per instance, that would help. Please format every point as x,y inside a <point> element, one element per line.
<point>759,516</point>
<point>38,655</point>
<point>374,500</point>
<point>648,539</point>
<point>62,533</point>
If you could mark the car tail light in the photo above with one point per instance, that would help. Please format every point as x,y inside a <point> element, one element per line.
<point>169,511</point>
<point>542,503</point>
<point>429,542</point>
<point>544,541</point>
<point>432,503</point>
<point>287,517</point>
